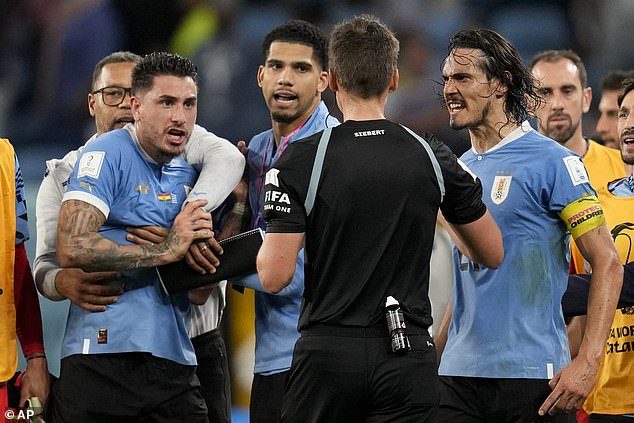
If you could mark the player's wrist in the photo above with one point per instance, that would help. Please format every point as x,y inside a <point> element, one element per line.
<point>49,285</point>
<point>35,356</point>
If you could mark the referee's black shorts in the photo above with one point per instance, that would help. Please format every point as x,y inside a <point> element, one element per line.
<point>351,375</point>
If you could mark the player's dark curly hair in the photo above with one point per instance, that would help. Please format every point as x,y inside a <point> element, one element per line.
<point>502,61</point>
<point>628,85</point>
<point>613,81</point>
<point>161,63</point>
<point>302,32</point>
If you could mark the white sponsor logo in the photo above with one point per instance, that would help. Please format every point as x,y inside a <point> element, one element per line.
<point>370,133</point>
<point>277,207</point>
<point>500,189</point>
<point>271,177</point>
<point>90,164</point>
<point>576,170</point>
<point>277,197</point>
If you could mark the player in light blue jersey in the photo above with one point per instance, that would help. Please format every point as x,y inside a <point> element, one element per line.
<point>220,167</point>
<point>134,359</point>
<point>293,77</point>
<point>507,337</point>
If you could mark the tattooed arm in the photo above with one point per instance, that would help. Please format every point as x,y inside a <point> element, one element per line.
<point>80,245</point>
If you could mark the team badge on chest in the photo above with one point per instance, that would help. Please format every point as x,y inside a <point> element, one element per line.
<point>500,189</point>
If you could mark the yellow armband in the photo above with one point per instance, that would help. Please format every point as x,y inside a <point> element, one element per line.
<point>583,215</point>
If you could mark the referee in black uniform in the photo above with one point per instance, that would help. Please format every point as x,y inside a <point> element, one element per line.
<point>365,195</point>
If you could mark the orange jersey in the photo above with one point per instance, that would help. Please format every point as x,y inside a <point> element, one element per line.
<point>9,350</point>
<point>612,393</point>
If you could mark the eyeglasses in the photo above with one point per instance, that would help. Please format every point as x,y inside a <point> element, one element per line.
<point>113,96</point>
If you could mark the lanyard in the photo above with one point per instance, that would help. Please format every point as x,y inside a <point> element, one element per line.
<point>283,145</point>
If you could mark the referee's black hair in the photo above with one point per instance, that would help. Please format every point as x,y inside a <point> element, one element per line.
<point>364,55</point>
<point>502,61</point>
<point>161,63</point>
<point>301,32</point>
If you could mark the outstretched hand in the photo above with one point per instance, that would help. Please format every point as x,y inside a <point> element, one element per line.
<point>571,386</point>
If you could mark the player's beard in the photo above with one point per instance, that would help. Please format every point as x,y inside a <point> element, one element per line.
<point>627,157</point>
<point>454,124</point>
<point>284,117</point>
<point>562,135</point>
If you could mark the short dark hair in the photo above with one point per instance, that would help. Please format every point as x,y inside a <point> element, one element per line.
<point>628,85</point>
<point>613,80</point>
<point>300,32</point>
<point>161,63</point>
<point>116,57</point>
<point>553,56</point>
<point>364,54</point>
<point>502,61</point>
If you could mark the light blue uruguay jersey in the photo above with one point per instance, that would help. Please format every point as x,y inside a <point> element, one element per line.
<point>276,316</point>
<point>115,175</point>
<point>507,322</point>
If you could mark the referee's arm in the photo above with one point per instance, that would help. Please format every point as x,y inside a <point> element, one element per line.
<point>276,259</point>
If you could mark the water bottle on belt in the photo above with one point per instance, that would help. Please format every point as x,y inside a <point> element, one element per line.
<point>396,326</point>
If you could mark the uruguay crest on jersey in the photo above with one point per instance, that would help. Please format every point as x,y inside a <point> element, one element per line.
<point>500,188</point>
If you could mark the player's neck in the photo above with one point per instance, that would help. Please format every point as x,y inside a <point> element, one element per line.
<point>489,134</point>
<point>359,109</point>
<point>577,143</point>
<point>284,129</point>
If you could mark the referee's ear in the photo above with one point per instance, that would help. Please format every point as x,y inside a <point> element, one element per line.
<point>394,81</point>
<point>323,82</point>
<point>332,81</point>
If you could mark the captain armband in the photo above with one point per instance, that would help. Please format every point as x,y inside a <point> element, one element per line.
<point>583,215</point>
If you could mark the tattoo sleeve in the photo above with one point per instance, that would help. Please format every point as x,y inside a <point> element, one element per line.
<point>80,245</point>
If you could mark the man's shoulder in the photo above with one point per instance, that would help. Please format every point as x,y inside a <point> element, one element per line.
<point>597,150</point>
<point>547,148</point>
<point>66,162</point>
<point>60,169</point>
<point>110,141</point>
<point>300,154</point>
<point>258,142</point>
<point>200,134</point>
<point>540,141</point>
<point>604,164</point>
<point>113,145</point>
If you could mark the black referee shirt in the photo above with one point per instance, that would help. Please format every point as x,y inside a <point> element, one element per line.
<point>370,232</point>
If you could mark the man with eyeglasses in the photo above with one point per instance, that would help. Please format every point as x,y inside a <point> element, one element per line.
<point>220,165</point>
